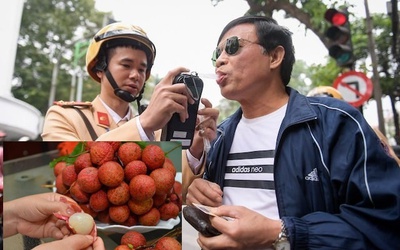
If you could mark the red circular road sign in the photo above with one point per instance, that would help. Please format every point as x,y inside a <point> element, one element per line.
<point>355,87</point>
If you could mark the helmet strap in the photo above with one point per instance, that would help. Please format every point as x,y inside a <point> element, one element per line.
<point>143,107</point>
<point>123,94</point>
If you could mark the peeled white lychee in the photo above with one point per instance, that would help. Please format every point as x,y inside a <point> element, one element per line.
<point>81,223</point>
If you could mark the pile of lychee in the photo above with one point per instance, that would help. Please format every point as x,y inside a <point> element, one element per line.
<point>122,183</point>
<point>135,240</point>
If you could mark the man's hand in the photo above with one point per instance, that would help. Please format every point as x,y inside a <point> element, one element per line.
<point>206,128</point>
<point>247,229</point>
<point>204,192</point>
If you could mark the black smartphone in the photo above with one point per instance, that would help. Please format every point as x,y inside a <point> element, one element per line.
<point>175,130</point>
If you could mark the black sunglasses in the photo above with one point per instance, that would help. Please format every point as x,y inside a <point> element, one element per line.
<point>232,46</point>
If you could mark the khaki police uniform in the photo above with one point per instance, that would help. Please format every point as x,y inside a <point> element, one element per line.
<point>64,123</point>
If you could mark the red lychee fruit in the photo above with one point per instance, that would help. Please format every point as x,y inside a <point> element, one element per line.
<point>131,221</point>
<point>133,238</point>
<point>151,218</point>
<point>140,207</point>
<point>168,211</point>
<point>115,145</point>
<point>69,175</point>
<point>66,147</point>
<point>78,194</point>
<point>176,194</point>
<point>177,188</point>
<point>87,209</point>
<point>104,217</point>
<point>60,186</point>
<point>88,180</point>
<point>101,152</point>
<point>98,201</point>
<point>158,200</point>
<point>164,180</point>
<point>133,168</point>
<point>119,195</point>
<point>88,145</point>
<point>59,167</point>
<point>177,200</point>
<point>168,164</point>
<point>142,187</point>
<point>153,156</point>
<point>119,214</point>
<point>111,174</point>
<point>129,151</point>
<point>82,161</point>
<point>168,243</point>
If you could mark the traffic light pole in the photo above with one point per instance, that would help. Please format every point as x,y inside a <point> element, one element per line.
<point>377,91</point>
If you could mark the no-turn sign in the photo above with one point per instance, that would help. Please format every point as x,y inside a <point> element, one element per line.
<point>355,87</point>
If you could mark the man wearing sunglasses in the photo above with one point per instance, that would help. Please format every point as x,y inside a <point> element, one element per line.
<point>291,172</point>
<point>120,57</point>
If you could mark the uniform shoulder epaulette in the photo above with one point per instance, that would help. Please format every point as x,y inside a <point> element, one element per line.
<point>68,104</point>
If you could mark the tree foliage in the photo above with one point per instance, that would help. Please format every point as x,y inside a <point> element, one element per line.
<point>49,30</point>
<point>311,14</point>
<point>301,77</point>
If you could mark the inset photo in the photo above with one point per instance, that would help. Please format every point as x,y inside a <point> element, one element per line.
<point>118,193</point>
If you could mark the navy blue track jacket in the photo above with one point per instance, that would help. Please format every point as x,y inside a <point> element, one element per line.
<point>353,201</point>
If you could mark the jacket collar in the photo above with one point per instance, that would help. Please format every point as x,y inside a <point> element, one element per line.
<point>299,110</point>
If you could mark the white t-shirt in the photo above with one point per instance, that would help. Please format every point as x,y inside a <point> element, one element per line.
<point>249,177</point>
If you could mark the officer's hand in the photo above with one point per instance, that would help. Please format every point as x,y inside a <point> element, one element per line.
<point>166,100</point>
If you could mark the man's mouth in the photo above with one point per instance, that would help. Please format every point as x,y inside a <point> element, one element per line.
<point>132,88</point>
<point>220,77</point>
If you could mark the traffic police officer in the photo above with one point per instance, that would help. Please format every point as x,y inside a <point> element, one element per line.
<point>119,57</point>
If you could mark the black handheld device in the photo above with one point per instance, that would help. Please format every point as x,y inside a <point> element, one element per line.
<point>175,130</point>
<point>200,221</point>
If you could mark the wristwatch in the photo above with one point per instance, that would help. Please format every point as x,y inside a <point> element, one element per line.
<point>282,242</point>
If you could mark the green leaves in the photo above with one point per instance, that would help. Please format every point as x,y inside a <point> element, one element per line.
<point>70,159</point>
<point>48,32</point>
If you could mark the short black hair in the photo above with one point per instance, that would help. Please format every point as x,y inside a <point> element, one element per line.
<point>270,35</point>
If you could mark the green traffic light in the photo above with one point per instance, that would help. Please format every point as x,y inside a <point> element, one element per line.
<point>344,58</point>
<point>342,54</point>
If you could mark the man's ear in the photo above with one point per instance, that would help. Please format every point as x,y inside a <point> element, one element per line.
<point>99,73</point>
<point>101,66</point>
<point>276,56</point>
